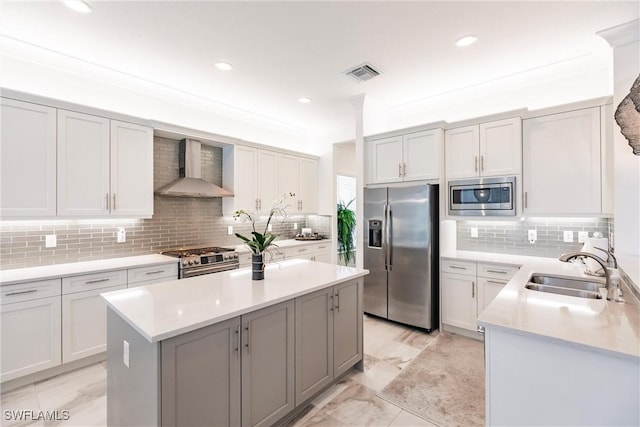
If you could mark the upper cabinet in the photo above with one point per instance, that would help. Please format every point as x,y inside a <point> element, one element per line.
<point>487,149</point>
<point>258,178</point>
<point>59,163</point>
<point>105,167</point>
<point>562,163</point>
<point>411,157</point>
<point>28,160</point>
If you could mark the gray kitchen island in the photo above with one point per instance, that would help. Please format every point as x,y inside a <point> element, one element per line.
<point>223,350</point>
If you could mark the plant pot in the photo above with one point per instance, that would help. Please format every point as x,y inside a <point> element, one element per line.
<point>257,267</point>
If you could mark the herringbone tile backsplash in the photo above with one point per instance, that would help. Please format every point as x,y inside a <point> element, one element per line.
<point>177,222</point>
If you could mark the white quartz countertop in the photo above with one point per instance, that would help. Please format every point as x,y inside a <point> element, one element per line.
<point>168,309</point>
<point>8,277</point>
<point>601,325</point>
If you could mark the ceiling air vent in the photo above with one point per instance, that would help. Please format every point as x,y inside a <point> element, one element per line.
<point>362,73</point>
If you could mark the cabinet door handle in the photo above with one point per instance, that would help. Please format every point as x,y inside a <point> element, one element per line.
<point>496,271</point>
<point>237,341</point>
<point>96,281</point>
<point>248,336</point>
<point>114,201</point>
<point>260,204</point>
<point>301,250</point>
<point>457,267</point>
<point>332,303</point>
<point>337,301</point>
<point>256,204</point>
<point>154,272</point>
<point>399,170</point>
<point>476,167</point>
<point>525,199</point>
<point>107,201</point>
<point>473,289</point>
<point>30,291</point>
<point>404,169</point>
<point>321,247</point>
<point>496,282</point>
<point>481,163</point>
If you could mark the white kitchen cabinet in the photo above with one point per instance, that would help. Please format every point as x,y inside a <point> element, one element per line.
<point>411,157</point>
<point>561,173</point>
<point>131,170</point>
<point>267,183</point>
<point>83,165</point>
<point>488,149</point>
<point>105,167</point>
<point>31,336</point>
<point>467,288</point>
<point>84,323</point>
<point>141,276</point>
<point>240,176</point>
<point>28,160</point>
<point>289,180</point>
<point>307,185</point>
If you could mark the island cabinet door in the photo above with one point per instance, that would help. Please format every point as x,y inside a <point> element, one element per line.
<point>347,326</point>
<point>201,377</point>
<point>314,343</point>
<point>268,364</point>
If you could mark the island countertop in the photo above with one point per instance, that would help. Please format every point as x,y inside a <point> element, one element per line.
<point>168,309</point>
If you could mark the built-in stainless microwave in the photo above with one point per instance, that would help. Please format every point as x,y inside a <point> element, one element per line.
<point>483,197</point>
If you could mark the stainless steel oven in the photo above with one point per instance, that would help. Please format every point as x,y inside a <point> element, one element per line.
<point>483,197</point>
<point>199,261</point>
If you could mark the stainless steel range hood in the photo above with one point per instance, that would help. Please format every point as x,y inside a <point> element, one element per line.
<point>190,183</point>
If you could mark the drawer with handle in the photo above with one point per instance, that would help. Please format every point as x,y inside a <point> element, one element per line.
<point>459,267</point>
<point>497,271</point>
<point>30,291</point>
<point>87,282</point>
<point>151,272</point>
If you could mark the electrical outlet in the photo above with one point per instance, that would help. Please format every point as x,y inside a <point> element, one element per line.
<point>474,232</point>
<point>50,241</point>
<point>611,242</point>
<point>270,227</point>
<point>295,225</point>
<point>583,236</point>
<point>125,353</point>
<point>568,236</point>
<point>122,235</point>
<point>532,236</point>
<point>230,230</point>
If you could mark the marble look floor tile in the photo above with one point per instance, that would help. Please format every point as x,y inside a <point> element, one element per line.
<point>76,392</point>
<point>89,413</point>
<point>20,399</point>
<point>420,339</point>
<point>358,405</point>
<point>378,373</point>
<point>407,419</point>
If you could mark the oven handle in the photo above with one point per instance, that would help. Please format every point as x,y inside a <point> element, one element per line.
<point>184,274</point>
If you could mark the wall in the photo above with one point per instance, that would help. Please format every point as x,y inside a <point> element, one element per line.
<point>510,237</point>
<point>177,222</point>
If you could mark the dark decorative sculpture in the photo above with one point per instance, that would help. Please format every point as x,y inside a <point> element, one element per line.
<point>628,117</point>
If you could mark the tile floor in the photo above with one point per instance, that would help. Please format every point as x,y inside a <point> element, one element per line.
<point>388,347</point>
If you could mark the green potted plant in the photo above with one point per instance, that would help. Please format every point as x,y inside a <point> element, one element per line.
<point>346,228</point>
<point>259,243</point>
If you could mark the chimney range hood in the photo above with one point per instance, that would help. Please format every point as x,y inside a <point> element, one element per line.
<point>190,182</point>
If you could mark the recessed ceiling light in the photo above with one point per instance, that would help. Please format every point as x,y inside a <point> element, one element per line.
<point>304,100</point>
<point>77,6</point>
<point>224,66</point>
<point>466,40</point>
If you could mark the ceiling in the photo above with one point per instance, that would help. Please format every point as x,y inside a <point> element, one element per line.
<point>282,51</point>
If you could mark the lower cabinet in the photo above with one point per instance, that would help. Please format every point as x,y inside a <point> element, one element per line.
<point>30,336</point>
<point>84,324</point>
<point>467,288</point>
<point>201,369</point>
<point>328,336</point>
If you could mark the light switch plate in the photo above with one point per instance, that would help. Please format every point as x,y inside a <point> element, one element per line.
<point>122,235</point>
<point>125,353</point>
<point>230,230</point>
<point>270,227</point>
<point>50,241</point>
<point>568,236</point>
<point>532,236</point>
<point>474,231</point>
<point>583,236</point>
<point>295,225</point>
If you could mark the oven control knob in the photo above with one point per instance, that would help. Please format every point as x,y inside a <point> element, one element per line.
<point>226,256</point>
<point>196,261</point>
<point>190,262</point>
<point>185,262</point>
<point>235,255</point>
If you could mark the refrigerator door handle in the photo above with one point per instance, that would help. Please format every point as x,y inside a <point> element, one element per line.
<point>390,236</point>
<point>384,236</point>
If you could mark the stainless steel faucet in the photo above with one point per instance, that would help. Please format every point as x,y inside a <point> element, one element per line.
<point>613,291</point>
<point>611,259</point>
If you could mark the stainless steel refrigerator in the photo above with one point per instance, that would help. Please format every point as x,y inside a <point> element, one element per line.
<point>401,253</point>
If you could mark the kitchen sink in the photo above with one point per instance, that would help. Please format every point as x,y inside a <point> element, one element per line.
<point>563,282</point>
<point>582,288</point>
<point>563,291</point>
